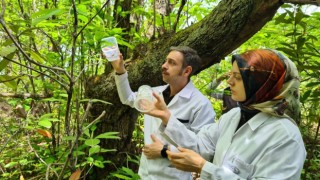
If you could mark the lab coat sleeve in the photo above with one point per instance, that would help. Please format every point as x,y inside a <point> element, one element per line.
<point>126,95</point>
<point>283,161</point>
<point>203,142</point>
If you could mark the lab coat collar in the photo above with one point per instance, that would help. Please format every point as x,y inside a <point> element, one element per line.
<point>186,92</point>
<point>258,120</point>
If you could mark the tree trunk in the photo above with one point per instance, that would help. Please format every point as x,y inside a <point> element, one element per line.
<point>229,25</point>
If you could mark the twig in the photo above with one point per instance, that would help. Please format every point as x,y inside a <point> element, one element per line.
<point>5,144</point>
<point>62,84</point>
<point>76,140</point>
<point>35,152</point>
<point>49,167</point>
<point>3,10</point>
<point>23,52</point>
<point>25,95</point>
<point>183,2</point>
<point>91,19</point>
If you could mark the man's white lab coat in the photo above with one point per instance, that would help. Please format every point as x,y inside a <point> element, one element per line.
<point>189,106</point>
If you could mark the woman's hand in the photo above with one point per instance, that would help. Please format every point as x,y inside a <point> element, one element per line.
<point>186,160</point>
<point>160,109</point>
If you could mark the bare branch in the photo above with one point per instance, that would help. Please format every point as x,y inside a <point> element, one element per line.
<point>35,152</point>
<point>62,84</point>
<point>183,2</point>
<point>3,9</point>
<point>104,5</point>
<point>75,142</point>
<point>5,144</point>
<point>26,95</point>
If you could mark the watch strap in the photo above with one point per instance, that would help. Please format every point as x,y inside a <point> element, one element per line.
<point>164,151</point>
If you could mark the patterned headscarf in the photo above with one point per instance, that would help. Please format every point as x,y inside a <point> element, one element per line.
<point>271,83</point>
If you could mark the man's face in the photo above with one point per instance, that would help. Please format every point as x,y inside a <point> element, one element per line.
<point>172,70</point>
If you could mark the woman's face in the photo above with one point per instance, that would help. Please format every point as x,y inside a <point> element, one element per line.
<point>236,84</point>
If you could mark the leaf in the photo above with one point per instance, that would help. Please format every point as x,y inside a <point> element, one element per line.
<point>45,133</point>
<point>10,164</point>
<point>9,81</point>
<point>3,64</point>
<point>5,51</point>
<point>45,123</point>
<point>94,149</point>
<point>108,135</point>
<point>313,84</point>
<point>300,43</point>
<point>78,153</point>
<point>305,96</point>
<point>21,177</point>
<point>43,15</point>
<point>76,175</point>
<point>98,164</point>
<point>45,116</point>
<point>36,57</point>
<point>69,138</point>
<point>92,142</point>
<point>107,150</point>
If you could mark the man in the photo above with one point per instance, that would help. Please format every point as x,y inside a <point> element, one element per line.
<point>187,104</point>
<point>225,96</point>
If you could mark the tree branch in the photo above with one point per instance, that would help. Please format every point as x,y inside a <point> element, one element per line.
<point>26,95</point>
<point>303,2</point>
<point>183,2</point>
<point>35,152</point>
<point>76,140</point>
<point>91,19</point>
<point>61,83</point>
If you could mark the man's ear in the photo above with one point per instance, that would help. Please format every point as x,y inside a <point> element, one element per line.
<point>188,70</point>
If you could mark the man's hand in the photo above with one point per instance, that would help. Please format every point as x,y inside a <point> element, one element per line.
<point>160,109</point>
<point>186,160</point>
<point>152,151</point>
<point>118,65</point>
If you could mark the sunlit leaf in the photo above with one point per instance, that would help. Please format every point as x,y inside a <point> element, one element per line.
<point>9,81</point>
<point>5,51</point>
<point>108,135</point>
<point>92,142</point>
<point>78,153</point>
<point>36,57</point>
<point>4,63</point>
<point>94,149</point>
<point>98,164</point>
<point>45,123</point>
<point>10,164</point>
<point>69,138</point>
<point>43,15</point>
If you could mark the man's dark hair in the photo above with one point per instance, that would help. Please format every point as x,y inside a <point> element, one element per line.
<point>190,57</point>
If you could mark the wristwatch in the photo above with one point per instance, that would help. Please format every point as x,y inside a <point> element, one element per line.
<point>164,151</point>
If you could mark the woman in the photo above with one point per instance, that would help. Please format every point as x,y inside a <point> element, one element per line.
<point>257,140</point>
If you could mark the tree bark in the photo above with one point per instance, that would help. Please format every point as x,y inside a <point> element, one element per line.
<point>229,25</point>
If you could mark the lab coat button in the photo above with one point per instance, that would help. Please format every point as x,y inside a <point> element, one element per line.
<point>236,170</point>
